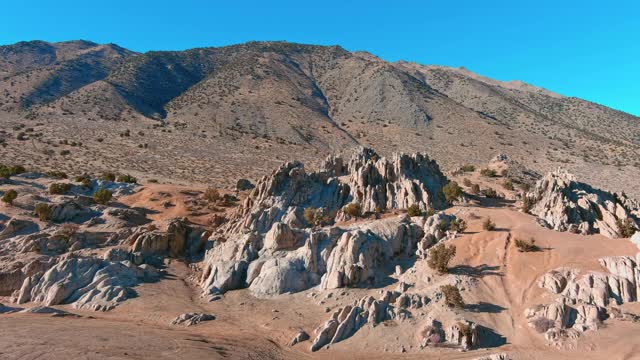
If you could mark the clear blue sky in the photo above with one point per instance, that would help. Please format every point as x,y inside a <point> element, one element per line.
<point>589,49</point>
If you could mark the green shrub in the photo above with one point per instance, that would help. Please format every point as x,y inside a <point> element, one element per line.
<point>108,176</point>
<point>489,193</point>
<point>102,196</point>
<point>353,210</point>
<point>8,171</point>
<point>508,184</point>
<point>430,212</point>
<point>43,211</point>
<point>457,225</point>
<point>440,256</point>
<point>468,168</point>
<point>414,210</point>
<point>488,173</point>
<point>526,246</point>
<point>452,297</point>
<point>527,204</point>
<point>9,196</point>
<point>127,179</point>
<point>488,225</point>
<point>57,174</point>
<point>59,188</point>
<point>452,192</point>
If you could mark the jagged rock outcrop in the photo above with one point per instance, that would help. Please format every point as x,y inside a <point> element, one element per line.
<point>88,283</point>
<point>178,241</point>
<point>584,299</point>
<point>269,246</point>
<point>564,204</point>
<point>190,319</point>
<point>15,226</point>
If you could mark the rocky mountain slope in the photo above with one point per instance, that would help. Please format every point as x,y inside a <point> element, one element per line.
<point>208,114</point>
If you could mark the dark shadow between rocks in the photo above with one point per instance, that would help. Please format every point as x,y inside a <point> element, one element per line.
<point>476,271</point>
<point>484,307</point>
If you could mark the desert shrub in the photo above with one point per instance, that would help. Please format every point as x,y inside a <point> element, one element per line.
<point>430,212</point>
<point>8,171</point>
<point>9,196</point>
<point>432,334</point>
<point>488,225</point>
<point>489,193</point>
<point>626,228</point>
<point>127,179</point>
<point>211,195</point>
<point>68,230</point>
<point>466,182</point>
<point>65,152</point>
<point>353,210</point>
<point>452,192</point>
<point>414,210</point>
<point>59,188</point>
<point>504,173</point>
<point>457,225</point>
<point>488,173</point>
<point>508,184</point>
<point>475,189</point>
<point>17,169</point>
<point>452,297</point>
<point>57,174</point>
<point>525,187</point>
<point>102,196</point>
<point>543,324</point>
<point>468,168</point>
<point>526,245</point>
<point>527,204</point>
<point>443,225</point>
<point>152,181</point>
<point>108,176</point>
<point>316,217</point>
<point>440,256</point>
<point>378,210</point>
<point>43,211</point>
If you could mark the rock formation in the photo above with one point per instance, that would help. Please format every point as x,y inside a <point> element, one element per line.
<point>190,319</point>
<point>271,246</point>
<point>564,204</point>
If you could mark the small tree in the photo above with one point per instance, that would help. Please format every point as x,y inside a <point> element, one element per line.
<point>102,196</point>
<point>526,246</point>
<point>488,225</point>
<point>440,256</point>
<point>43,211</point>
<point>452,192</point>
<point>452,297</point>
<point>9,196</point>
<point>414,210</point>
<point>352,210</point>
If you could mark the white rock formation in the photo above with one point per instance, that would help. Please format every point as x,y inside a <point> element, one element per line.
<point>564,204</point>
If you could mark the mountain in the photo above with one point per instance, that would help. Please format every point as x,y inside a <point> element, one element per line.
<point>216,114</point>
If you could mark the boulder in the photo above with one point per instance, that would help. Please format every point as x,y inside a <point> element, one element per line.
<point>190,319</point>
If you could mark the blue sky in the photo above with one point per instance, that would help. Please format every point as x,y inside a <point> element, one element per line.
<point>588,49</point>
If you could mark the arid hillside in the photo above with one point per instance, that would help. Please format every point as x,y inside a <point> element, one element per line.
<point>214,115</point>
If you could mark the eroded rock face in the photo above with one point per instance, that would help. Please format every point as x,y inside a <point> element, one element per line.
<point>88,283</point>
<point>584,299</point>
<point>180,240</point>
<point>565,204</point>
<point>269,245</point>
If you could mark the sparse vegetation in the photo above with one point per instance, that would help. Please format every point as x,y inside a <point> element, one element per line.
<point>526,245</point>
<point>457,225</point>
<point>211,195</point>
<point>108,176</point>
<point>543,324</point>
<point>508,184</point>
<point>452,192</point>
<point>466,182</point>
<point>452,297</point>
<point>414,210</point>
<point>527,204</point>
<point>316,217</point>
<point>488,173</point>
<point>57,174</point>
<point>68,230</point>
<point>626,228</point>
<point>488,225</point>
<point>440,256</point>
<point>59,188</point>
<point>467,168</point>
<point>102,196</point>
<point>475,189</point>
<point>353,210</point>
<point>489,193</point>
<point>43,211</point>
<point>8,171</point>
<point>127,179</point>
<point>9,196</point>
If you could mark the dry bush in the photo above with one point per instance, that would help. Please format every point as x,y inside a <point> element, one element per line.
<point>527,204</point>
<point>102,196</point>
<point>543,324</point>
<point>508,184</point>
<point>467,168</point>
<point>457,225</point>
<point>452,297</point>
<point>475,189</point>
<point>488,225</point>
<point>211,195</point>
<point>626,228</point>
<point>414,210</point>
<point>317,217</point>
<point>466,182</point>
<point>126,179</point>
<point>68,230</point>
<point>440,256</point>
<point>43,211</point>
<point>108,176</point>
<point>489,193</point>
<point>488,173</point>
<point>9,196</point>
<point>452,192</point>
<point>59,188</point>
<point>353,210</point>
<point>526,245</point>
